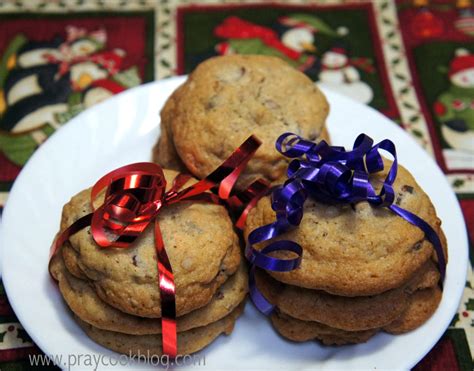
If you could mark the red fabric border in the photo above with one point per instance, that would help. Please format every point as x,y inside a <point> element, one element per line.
<point>17,354</point>
<point>442,357</point>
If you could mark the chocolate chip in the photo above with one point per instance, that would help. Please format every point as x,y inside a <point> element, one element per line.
<point>134,259</point>
<point>325,234</point>
<point>312,136</point>
<point>417,246</point>
<point>213,102</point>
<point>219,295</point>
<point>398,201</point>
<point>210,105</point>
<point>407,188</point>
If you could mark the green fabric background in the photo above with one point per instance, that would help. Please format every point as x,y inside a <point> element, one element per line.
<point>199,38</point>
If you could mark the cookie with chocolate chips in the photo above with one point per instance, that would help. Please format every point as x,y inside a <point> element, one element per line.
<point>201,244</point>
<point>85,303</point>
<point>164,152</point>
<point>346,313</point>
<point>360,250</point>
<point>421,306</point>
<point>228,98</point>
<point>422,298</point>
<point>299,331</point>
<point>189,341</point>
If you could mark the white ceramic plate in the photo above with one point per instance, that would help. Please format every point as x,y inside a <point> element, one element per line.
<point>122,130</point>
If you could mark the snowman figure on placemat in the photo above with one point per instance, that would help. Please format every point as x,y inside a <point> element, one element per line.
<point>52,82</point>
<point>44,83</point>
<point>244,37</point>
<point>88,65</point>
<point>339,72</point>
<point>42,75</point>
<point>454,110</point>
<point>93,76</point>
<point>290,38</point>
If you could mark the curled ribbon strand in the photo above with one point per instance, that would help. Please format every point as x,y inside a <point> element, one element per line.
<point>331,175</point>
<point>134,195</point>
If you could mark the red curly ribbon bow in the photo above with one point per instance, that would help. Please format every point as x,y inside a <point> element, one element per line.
<point>134,196</point>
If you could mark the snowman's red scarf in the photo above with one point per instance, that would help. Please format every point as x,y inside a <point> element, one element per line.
<point>65,62</point>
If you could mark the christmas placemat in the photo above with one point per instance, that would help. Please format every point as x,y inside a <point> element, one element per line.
<point>411,60</point>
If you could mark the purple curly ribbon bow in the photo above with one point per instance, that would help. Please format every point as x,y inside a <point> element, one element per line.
<point>331,175</point>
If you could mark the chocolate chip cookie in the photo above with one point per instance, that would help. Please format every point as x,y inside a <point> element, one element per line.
<point>201,244</point>
<point>357,250</point>
<point>228,98</point>
<point>84,303</point>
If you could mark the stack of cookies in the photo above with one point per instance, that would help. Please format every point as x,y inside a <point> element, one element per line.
<point>363,270</point>
<point>114,293</point>
<point>227,99</point>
